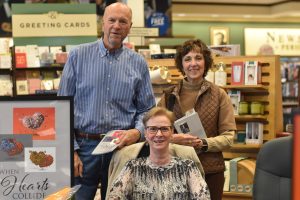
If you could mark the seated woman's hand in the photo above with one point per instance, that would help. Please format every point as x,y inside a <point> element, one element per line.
<point>185,139</point>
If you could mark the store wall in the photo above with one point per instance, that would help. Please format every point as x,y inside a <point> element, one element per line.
<point>201,30</point>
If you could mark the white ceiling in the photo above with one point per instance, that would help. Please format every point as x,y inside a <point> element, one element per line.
<point>236,10</point>
<point>263,2</point>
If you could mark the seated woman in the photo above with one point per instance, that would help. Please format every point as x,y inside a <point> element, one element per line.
<point>159,176</point>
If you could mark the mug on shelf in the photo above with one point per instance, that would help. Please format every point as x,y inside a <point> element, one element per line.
<point>257,108</point>
<point>241,136</point>
<point>243,108</point>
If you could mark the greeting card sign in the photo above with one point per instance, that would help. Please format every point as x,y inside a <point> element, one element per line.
<point>35,146</point>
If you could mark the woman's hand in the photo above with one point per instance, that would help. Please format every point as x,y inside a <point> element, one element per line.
<point>185,139</point>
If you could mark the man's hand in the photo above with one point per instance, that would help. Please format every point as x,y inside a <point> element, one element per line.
<point>78,166</point>
<point>185,139</point>
<point>128,137</point>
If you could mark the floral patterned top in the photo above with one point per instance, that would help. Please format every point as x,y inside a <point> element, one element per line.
<point>141,179</point>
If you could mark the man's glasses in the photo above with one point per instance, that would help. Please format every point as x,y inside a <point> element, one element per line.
<point>154,129</point>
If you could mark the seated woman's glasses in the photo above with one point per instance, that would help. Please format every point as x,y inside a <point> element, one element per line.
<point>154,129</point>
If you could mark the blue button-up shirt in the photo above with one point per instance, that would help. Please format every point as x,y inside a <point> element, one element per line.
<point>111,91</point>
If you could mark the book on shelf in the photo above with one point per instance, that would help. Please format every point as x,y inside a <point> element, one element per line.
<point>54,50</point>
<point>5,85</point>
<point>56,83</point>
<point>20,60</point>
<point>226,176</point>
<point>61,58</point>
<point>237,73</point>
<point>43,49</point>
<point>22,87</point>
<point>154,49</point>
<point>108,144</point>
<point>32,56</point>
<point>252,73</point>
<point>47,84</point>
<point>191,124</point>
<point>235,97</point>
<point>34,81</point>
<point>5,44</point>
<point>254,132</point>
<point>34,84</point>
<point>46,58</point>
<point>5,61</point>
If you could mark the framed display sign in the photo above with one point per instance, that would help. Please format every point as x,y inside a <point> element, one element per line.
<point>219,36</point>
<point>270,41</point>
<point>36,146</point>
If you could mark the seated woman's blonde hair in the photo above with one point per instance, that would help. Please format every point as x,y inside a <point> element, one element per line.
<point>159,111</point>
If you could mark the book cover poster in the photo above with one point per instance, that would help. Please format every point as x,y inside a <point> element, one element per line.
<point>35,168</point>
<point>39,121</point>
<point>158,14</point>
<point>12,146</point>
<point>40,159</point>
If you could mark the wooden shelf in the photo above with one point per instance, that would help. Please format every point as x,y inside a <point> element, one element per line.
<point>245,147</point>
<point>242,150</point>
<point>251,118</point>
<point>269,92</point>
<point>247,88</point>
<point>236,195</point>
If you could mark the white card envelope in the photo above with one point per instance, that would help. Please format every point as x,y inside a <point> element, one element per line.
<point>107,144</point>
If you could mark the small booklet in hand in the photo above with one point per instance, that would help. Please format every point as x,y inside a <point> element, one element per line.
<point>191,124</point>
<point>108,144</point>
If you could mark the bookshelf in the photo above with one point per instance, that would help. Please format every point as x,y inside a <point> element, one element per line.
<point>290,70</point>
<point>269,92</point>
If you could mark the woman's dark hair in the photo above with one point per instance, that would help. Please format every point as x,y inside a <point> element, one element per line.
<point>197,46</point>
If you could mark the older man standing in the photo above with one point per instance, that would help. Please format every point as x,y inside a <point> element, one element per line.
<point>112,91</point>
